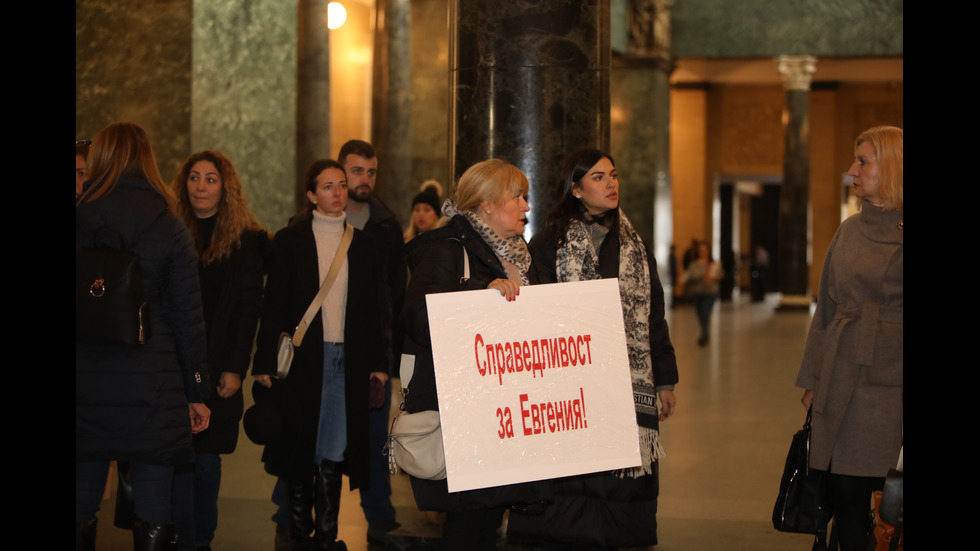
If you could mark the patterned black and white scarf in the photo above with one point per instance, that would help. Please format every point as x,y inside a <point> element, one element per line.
<point>578,260</point>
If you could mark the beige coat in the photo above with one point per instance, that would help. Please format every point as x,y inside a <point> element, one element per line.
<point>854,352</point>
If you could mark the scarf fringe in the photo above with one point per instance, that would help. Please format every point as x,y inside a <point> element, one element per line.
<point>649,440</point>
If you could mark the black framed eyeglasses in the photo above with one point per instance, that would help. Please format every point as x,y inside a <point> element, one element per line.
<point>83,142</point>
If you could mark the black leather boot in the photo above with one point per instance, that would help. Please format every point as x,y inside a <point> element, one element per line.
<point>299,495</point>
<point>124,497</point>
<point>154,537</point>
<point>329,478</point>
<point>85,534</point>
<point>284,540</point>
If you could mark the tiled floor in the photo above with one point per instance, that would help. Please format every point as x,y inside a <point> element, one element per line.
<point>737,410</point>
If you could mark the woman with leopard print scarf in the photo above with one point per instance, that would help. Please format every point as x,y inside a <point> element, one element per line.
<point>481,247</point>
<point>587,236</point>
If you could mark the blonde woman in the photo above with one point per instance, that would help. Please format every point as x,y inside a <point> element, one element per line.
<point>487,217</point>
<point>852,369</point>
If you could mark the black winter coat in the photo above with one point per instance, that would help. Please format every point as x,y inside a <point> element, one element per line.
<point>386,230</point>
<point>601,509</point>
<point>293,281</point>
<point>435,261</point>
<point>231,324</point>
<point>131,403</point>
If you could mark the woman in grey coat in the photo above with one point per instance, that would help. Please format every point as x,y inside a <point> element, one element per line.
<point>852,367</point>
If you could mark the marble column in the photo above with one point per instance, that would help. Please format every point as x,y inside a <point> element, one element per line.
<point>640,121</point>
<point>794,199</point>
<point>529,83</point>
<point>312,90</point>
<point>392,104</point>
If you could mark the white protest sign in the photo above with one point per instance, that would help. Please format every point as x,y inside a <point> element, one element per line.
<point>532,389</point>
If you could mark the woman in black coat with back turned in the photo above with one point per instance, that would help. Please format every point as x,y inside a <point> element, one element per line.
<point>232,247</point>
<point>139,404</point>
<point>343,349</point>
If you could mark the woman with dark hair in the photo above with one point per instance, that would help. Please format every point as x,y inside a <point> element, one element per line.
<point>853,365</point>
<point>332,369</point>
<point>486,226</point>
<point>140,404</point>
<point>586,236</point>
<point>232,247</point>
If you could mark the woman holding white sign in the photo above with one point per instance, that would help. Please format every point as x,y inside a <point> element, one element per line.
<point>481,247</point>
<point>586,237</point>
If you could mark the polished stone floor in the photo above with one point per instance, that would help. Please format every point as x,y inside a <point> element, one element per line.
<point>737,411</point>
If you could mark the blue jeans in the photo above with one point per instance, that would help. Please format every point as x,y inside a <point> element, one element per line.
<point>152,486</point>
<point>331,441</point>
<point>703,304</point>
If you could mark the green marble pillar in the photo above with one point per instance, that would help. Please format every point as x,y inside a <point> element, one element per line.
<point>640,121</point>
<point>392,99</point>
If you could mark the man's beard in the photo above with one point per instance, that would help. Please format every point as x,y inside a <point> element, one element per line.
<point>358,196</point>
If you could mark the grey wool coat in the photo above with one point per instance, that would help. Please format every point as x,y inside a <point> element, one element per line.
<point>854,351</point>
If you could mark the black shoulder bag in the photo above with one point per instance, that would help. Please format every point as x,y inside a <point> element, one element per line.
<point>109,305</point>
<point>801,504</point>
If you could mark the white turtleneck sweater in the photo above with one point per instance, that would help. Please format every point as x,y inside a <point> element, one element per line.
<point>328,232</point>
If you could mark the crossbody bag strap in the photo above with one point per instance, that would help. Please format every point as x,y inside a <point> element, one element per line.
<point>321,295</point>
<point>466,264</point>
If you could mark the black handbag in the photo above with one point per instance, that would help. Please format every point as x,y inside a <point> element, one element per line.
<point>801,506</point>
<point>109,306</point>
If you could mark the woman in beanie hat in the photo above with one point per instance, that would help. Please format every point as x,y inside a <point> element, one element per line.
<point>426,207</point>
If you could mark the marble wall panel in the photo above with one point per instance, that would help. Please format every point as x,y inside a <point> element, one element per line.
<point>244,97</point>
<point>763,28</point>
<point>133,64</point>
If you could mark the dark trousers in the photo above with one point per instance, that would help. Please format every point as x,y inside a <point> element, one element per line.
<point>195,506</point>
<point>851,498</point>
<point>472,530</point>
<point>376,499</point>
<point>152,485</point>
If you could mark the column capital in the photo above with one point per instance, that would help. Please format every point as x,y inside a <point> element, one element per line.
<point>649,28</point>
<point>796,70</point>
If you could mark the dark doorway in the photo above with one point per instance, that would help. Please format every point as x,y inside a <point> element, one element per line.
<point>748,217</point>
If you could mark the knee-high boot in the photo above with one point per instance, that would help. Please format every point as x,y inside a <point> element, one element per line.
<point>299,496</point>
<point>329,478</point>
<point>154,537</point>
<point>85,534</point>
